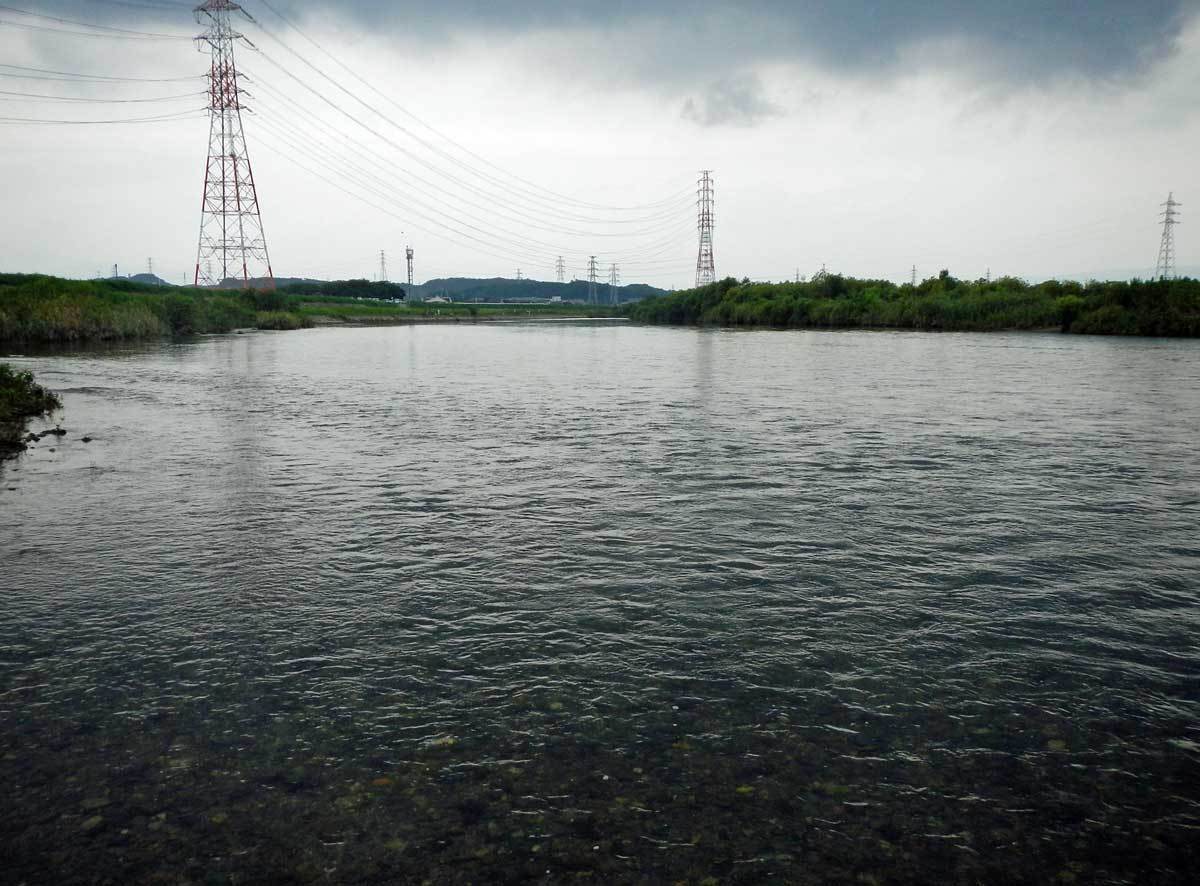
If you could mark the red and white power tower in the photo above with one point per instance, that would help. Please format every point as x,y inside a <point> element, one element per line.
<point>232,243</point>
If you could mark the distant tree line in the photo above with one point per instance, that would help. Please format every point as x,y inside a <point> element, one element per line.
<point>502,289</point>
<point>347,289</point>
<point>1138,307</point>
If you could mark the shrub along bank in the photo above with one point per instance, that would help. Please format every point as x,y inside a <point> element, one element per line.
<point>35,308</point>
<point>1159,308</point>
<point>21,398</point>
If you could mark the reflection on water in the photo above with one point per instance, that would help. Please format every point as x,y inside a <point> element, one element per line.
<point>518,602</point>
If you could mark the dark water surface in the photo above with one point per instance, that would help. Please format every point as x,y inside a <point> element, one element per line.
<point>599,603</point>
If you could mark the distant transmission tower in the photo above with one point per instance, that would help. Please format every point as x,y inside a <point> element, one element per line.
<point>560,268</point>
<point>592,280</point>
<point>914,276</point>
<point>1166,252</point>
<point>231,230</point>
<point>409,255</point>
<point>706,271</point>
<point>614,280</point>
<point>382,267</point>
<point>150,266</point>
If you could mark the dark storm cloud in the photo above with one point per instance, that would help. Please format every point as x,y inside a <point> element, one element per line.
<point>1022,39</point>
<point>1025,39</point>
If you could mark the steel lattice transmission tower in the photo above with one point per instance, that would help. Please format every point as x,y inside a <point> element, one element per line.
<point>231,230</point>
<point>1165,269</point>
<point>408,252</point>
<point>614,280</point>
<point>560,268</point>
<point>592,280</point>
<point>706,271</point>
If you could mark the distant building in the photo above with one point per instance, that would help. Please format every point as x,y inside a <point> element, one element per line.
<point>437,300</point>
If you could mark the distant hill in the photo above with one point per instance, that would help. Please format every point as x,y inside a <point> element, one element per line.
<point>495,289</point>
<point>262,282</point>
<point>149,279</point>
<point>498,289</point>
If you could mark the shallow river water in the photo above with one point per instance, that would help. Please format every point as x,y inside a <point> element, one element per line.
<point>571,602</point>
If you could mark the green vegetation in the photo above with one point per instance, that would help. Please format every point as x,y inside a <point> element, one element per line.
<point>1160,308</point>
<point>21,398</point>
<point>280,320</point>
<point>345,289</point>
<point>499,289</point>
<point>357,312</point>
<point>35,308</point>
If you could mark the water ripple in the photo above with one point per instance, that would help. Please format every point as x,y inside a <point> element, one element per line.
<point>524,602</point>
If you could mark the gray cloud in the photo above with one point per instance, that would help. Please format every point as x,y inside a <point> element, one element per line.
<point>737,100</point>
<point>1023,40</point>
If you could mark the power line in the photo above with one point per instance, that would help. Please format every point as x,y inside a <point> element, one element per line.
<point>411,116</point>
<point>433,215</point>
<point>24,27</point>
<point>289,154</point>
<point>70,98</point>
<point>490,209</point>
<point>648,245</point>
<point>529,216</point>
<point>172,8</point>
<point>339,163</point>
<point>157,119</point>
<point>70,21</point>
<point>72,76</point>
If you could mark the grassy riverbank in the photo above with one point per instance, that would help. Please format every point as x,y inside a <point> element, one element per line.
<point>35,308</point>
<point>21,398</point>
<point>1169,308</point>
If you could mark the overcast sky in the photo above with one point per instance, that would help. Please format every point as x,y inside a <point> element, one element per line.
<point>1030,138</point>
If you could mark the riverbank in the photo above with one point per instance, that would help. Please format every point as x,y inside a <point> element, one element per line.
<point>41,309</point>
<point>21,399</point>
<point>1158,308</point>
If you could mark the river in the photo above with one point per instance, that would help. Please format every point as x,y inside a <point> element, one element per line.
<point>594,602</point>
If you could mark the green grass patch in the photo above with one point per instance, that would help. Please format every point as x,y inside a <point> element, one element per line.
<point>35,308</point>
<point>281,320</point>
